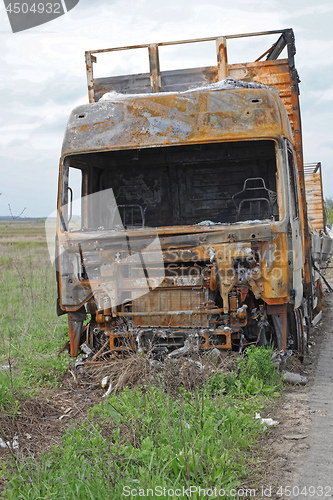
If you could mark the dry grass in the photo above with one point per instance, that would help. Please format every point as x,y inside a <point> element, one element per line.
<point>13,232</point>
<point>139,370</point>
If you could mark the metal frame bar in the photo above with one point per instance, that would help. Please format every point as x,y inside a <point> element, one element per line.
<point>221,49</point>
<point>193,40</point>
<point>312,168</point>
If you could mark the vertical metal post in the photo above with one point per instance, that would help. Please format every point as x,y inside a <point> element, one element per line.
<point>222,58</point>
<point>322,194</point>
<point>84,204</point>
<point>154,63</point>
<point>75,322</point>
<point>90,59</point>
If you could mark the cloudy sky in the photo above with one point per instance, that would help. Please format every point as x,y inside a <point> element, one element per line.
<point>43,75</point>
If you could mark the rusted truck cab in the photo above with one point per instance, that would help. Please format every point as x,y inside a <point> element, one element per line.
<point>182,217</point>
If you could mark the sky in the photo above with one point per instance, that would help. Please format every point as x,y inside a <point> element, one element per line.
<point>43,76</point>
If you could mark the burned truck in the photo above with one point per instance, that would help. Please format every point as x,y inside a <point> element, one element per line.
<point>182,213</point>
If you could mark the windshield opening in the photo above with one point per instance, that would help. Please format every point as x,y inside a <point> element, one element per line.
<point>178,185</point>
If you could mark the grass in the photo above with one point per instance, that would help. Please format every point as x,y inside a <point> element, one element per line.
<point>144,436</point>
<point>22,231</point>
<point>30,331</point>
<point>148,439</point>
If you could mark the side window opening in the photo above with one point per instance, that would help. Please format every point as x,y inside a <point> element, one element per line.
<point>293,183</point>
<point>74,197</point>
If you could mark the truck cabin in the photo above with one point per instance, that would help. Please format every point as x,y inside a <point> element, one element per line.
<point>201,183</point>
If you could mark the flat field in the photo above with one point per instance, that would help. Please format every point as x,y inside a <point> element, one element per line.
<point>12,232</point>
<point>31,334</point>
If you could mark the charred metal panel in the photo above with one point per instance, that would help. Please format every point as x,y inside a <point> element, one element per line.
<point>274,271</point>
<point>179,81</point>
<point>171,119</point>
<point>327,247</point>
<point>274,74</point>
<point>166,301</point>
<point>171,81</point>
<point>122,84</point>
<point>314,195</point>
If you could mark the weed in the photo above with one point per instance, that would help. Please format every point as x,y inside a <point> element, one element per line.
<point>145,438</point>
<point>256,374</point>
<point>21,244</point>
<point>30,331</point>
<point>6,393</point>
<point>6,261</point>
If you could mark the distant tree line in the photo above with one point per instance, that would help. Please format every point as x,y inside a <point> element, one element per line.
<point>329,207</point>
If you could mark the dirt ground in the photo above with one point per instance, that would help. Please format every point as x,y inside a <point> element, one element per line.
<point>298,452</point>
<point>43,420</point>
<point>278,462</point>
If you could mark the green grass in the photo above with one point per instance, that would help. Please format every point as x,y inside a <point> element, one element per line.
<point>145,438</point>
<point>255,375</point>
<point>30,331</point>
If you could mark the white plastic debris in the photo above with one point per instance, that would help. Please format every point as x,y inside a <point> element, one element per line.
<point>104,381</point>
<point>227,84</point>
<point>266,421</point>
<point>108,392</point>
<point>11,445</point>
<point>230,83</point>
<point>79,362</point>
<point>280,356</point>
<point>207,223</point>
<point>329,231</point>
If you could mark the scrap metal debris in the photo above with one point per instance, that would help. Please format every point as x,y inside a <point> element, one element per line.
<point>280,357</point>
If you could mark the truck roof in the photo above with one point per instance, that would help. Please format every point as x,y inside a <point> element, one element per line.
<point>164,119</point>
